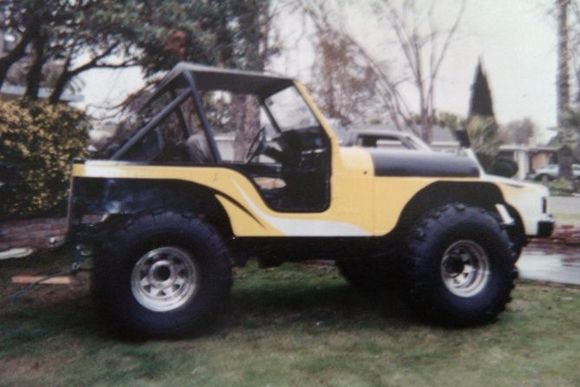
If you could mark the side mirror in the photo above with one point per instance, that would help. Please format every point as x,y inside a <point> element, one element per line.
<point>463,138</point>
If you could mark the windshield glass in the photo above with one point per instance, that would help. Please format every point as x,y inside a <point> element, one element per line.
<point>290,110</point>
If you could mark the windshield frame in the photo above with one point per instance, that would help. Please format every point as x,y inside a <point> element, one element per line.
<point>182,85</point>
<point>299,97</point>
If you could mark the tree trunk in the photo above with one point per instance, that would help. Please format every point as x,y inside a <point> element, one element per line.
<point>564,159</point>
<point>63,80</point>
<point>224,38</point>
<point>17,53</point>
<point>246,108</point>
<point>563,61</point>
<point>59,87</point>
<point>426,126</point>
<point>425,112</point>
<point>246,111</point>
<point>34,77</point>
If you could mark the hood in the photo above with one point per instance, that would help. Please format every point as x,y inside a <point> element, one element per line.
<point>422,164</point>
<point>542,190</point>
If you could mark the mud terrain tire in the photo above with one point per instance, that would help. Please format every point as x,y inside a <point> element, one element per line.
<point>460,267</point>
<point>162,275</point>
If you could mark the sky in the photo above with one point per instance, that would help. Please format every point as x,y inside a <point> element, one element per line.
<point>516,40</point>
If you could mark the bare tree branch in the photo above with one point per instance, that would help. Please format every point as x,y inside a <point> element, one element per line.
<point>421,51</point>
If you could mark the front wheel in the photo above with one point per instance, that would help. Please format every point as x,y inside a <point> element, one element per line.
<point>162,275</point>
<point>460,270</point>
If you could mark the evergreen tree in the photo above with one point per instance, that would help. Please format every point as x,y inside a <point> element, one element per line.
<point>481,103</point>
<point>481,125</point>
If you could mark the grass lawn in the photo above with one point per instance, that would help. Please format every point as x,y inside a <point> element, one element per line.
<point>293,325</point>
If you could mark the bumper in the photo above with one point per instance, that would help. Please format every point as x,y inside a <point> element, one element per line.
<point>545,227</point>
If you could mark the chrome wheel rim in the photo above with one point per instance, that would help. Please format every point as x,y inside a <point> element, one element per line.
<point>465,268</point>
<point>164,279</point>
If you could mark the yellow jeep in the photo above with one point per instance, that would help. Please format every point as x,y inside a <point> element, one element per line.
<point>178,201</point>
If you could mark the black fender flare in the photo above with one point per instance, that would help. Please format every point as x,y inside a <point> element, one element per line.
<point>481,194</point>
<point>121,196</point>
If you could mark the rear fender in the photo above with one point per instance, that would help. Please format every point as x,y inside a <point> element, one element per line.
<point>96,197</point>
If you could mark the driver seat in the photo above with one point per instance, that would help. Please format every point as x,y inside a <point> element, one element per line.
<point>197,148</point>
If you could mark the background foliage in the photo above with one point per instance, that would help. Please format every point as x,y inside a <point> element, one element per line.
<point>41,140</point>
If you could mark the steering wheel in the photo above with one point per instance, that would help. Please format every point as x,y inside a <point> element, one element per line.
<point>257,145</point>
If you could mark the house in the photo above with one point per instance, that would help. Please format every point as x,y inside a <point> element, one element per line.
<point>528,158</point>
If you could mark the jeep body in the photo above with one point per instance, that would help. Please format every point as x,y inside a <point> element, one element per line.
<point>527,204</point>
<point>295,195</point>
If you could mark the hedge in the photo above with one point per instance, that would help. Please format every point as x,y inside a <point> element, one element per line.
<point>40,140</point>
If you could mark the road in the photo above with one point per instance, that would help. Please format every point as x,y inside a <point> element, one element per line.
<point>564,205</point>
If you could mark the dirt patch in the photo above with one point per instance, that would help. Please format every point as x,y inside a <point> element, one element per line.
<point>22,367</point>
<point>567,234</point>
<point>42,293</point>
<point>35,233</point>
<point>564,234</point>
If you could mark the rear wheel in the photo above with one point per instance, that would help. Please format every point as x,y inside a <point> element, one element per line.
<point>460,270</point>
<point>165,278</point>
<point>162,275</point>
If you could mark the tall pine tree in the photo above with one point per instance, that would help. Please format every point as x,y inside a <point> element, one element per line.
<point>481,103</point>
<point>482,127</point>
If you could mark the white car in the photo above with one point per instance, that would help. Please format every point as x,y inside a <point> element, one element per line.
<point>552,171</point>
<point>385,138</point>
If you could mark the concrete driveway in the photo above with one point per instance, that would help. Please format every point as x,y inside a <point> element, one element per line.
<point>554,260</point>
<point>551,263</point>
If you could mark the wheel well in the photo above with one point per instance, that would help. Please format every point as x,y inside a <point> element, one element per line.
<point>133,196</point>
<point>517,233</point>
<point>517,218</point>
<point>484,195</point>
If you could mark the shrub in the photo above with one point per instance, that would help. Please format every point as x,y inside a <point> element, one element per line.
<point>561,187</point>
<point>40,140</point>
<point>484,135</point>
